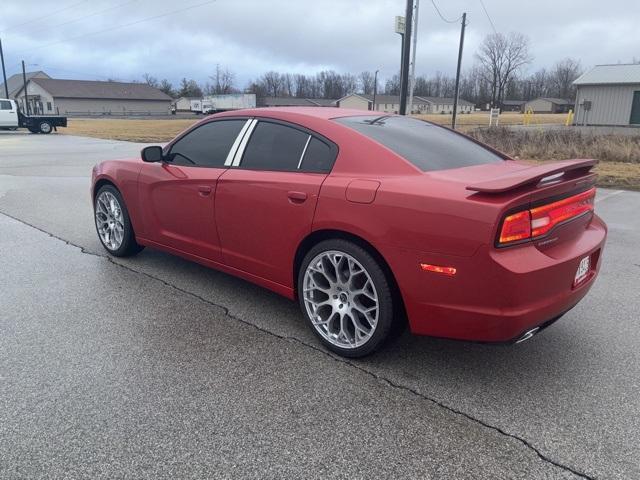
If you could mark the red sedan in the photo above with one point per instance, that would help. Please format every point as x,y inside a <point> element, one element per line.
<point>367,219</point>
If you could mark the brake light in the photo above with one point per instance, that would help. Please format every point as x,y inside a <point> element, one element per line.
<point>516,227</point>
<point>538,221</point>
<point>546,217</point>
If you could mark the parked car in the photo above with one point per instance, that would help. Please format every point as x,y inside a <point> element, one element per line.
<point>11,118</point>
<point>366,220</point>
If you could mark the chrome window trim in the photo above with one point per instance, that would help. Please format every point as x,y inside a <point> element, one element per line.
<point>304,150</point>
<point>234,148</point>
<point>243,143</point>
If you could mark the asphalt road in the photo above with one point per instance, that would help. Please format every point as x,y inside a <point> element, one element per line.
<point>154,367</point>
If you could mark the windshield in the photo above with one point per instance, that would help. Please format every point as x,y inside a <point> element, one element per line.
<point>427,146</point>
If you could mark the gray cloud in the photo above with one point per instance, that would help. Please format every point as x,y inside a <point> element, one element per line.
<point>253,36</point>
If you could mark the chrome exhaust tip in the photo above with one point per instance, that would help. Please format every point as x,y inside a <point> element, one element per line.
<point>528,334</point>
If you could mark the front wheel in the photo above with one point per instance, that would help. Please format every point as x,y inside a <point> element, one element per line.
<point>346,298</point>
<point>113,223</point>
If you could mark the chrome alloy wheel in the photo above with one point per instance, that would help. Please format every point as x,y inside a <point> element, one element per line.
<point>341,299</point>
<point>109,220</point>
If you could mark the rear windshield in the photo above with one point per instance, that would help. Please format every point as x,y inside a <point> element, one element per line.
<point>427,146</point>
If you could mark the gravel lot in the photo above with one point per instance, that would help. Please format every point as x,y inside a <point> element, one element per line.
<point>154,367</point>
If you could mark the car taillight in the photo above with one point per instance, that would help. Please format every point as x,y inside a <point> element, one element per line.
<point>516,227</point>
<point>537,222</point>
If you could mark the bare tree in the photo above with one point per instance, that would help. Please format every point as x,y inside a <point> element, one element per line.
<point>392,85</point>
<point>367,82</point>
<point>150,80</point>
<point>272,82</point>
<point>189,88</point>
<point>562,76</point>
<point>222,81</point>
<point>501,57</point>
<point>166,87</point>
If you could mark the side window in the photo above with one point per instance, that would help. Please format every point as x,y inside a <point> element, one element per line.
<point>207,145</point>
<point>318,158</point>
<point>274,147</point>
<point>5,105</point>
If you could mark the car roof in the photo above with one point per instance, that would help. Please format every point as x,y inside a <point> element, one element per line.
<point>325,113</point>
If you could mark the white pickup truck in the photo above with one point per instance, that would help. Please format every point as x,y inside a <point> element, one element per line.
<point>11,118</point>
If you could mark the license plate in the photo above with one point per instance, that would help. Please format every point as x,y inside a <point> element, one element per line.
<point>583,270</point>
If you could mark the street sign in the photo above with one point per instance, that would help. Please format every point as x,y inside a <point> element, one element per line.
<point>400,25</point>
<point>494,116</point>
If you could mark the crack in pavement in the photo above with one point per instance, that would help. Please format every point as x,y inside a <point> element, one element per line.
<point>326,353</point>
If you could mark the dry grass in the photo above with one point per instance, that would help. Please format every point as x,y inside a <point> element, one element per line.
<point>478,119</point>
<point>619,155</point>
<point>560,144</point>
<point>145,131</point>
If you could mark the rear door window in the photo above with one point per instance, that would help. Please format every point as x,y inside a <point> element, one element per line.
<point>5,105</point>
<point>427,146</point>
<point>274,147</point>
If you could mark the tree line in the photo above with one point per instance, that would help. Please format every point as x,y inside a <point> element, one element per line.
<point>498,74</point>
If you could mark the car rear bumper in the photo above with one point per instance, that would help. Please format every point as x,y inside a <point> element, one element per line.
<point>497,295</point>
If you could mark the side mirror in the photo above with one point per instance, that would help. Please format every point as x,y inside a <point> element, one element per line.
<point>151,154</point>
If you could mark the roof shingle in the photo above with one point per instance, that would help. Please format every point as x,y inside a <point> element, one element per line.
<point>100,90</point>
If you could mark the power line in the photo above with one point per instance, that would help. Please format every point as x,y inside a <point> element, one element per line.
<point>489,17</point>
<point>116,27</point>
<point>103,77</point>
<point>45,16</point>
<point>442,16</point>
<point>81,18</point>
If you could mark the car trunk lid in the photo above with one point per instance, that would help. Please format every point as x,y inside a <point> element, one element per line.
<point>546,194</point>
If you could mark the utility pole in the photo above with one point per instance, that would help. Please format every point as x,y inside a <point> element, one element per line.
<point>4,73</point>
<point>26,97</point>
<point>406,50</point>
<point>412,79</point>
<point>457,91</point>
<point>375,88</point>
<point>400,30</point>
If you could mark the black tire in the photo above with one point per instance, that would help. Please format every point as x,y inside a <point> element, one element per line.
<point>129,246</point>
<point>386,321</point>
<point>45,127</point>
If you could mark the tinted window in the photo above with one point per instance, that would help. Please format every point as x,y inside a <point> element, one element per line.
<point>318,158</point>
<point>5,105</point>
<point>274,147</point>
<point>427,146</point>
<point>207,145</point>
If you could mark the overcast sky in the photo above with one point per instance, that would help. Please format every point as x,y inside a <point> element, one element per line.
<point>122,39</point>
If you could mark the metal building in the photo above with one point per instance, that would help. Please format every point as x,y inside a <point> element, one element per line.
<point>87,98</point>
<point>609,95</point>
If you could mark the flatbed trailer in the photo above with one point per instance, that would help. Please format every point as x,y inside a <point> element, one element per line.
<point>11,118</point>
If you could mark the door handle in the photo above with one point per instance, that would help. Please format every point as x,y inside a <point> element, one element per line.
<point>297,197</point>
<point>204,190</point>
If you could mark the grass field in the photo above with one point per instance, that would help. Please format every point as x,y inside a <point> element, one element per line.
<point>619,155</point>
<point>480,119</point>
<point>146,131</point>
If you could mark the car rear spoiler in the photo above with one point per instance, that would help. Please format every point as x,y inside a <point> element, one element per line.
<point>535,174</point>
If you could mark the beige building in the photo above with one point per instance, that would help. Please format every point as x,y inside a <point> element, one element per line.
<point>608,95</point>
<point>84,97</point>
<point>15,82</point>
<point>391,104</point>
<point>548,105</point>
